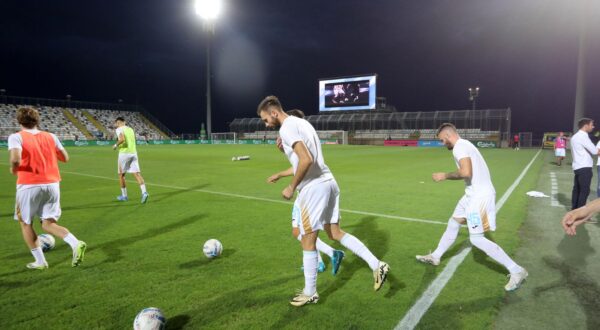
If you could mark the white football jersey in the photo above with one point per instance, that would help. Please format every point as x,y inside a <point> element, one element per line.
<point>480,183</point>
<point>295,129</point>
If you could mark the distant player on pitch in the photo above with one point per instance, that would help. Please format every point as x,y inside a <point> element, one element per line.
<point>336,255</point>
<point>317,205</point>
<point>560,147</point>
<point>477,208</point>
<point>34,157</point>
<point>128,159</point>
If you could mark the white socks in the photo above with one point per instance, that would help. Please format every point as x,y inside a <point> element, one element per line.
<point>357,247</point>
<point>447,239</point>
<point>310,262</point>
<point>124,192</point>
<point>143,187</point>
<point>495,252</point>
<point>38,254</point>
<point>323,247</point>
<point>71,240</point>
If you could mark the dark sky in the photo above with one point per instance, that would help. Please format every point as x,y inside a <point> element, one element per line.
<point>522,54</point>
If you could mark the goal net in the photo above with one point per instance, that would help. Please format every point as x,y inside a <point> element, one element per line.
<point>224,138</point>
<point>333,137</point>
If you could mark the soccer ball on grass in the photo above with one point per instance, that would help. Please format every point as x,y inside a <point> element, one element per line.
<point>212,248</point>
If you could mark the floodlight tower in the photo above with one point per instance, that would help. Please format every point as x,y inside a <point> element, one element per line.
<point>208,10</point>
<point>473,94</point>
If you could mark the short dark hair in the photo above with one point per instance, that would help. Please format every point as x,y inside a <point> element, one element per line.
<point>120,119</point>
<point>584,121</point>
<point>28,117</point>
<point>269,101</point>
<point>296,113</point>
<point>445,126</point>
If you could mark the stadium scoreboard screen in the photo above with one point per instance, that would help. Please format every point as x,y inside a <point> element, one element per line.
<point>348,93</point>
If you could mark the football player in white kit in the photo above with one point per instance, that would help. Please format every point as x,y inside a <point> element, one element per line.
<point>317,204</point>
<point>336,255</point>
<point>477,208</point>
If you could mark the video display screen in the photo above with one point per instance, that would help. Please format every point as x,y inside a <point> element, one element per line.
<point>349,93</point>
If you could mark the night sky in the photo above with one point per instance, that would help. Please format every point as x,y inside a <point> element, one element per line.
<point>521,53</point>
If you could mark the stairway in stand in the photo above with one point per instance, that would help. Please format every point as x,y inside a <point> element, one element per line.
<point>151,124</point>
<point>96,123</point>
<point>77,124</point>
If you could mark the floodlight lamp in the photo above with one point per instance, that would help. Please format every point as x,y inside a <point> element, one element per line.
<point>208,9</point>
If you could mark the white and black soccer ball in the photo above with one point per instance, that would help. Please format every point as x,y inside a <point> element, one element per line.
<point>46,241</point>
<point>212,248</point>
<point>150,318</point>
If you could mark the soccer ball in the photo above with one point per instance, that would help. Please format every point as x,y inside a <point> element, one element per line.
<point>150,318</point>
<point>212,248</point>
<point>46,241</point>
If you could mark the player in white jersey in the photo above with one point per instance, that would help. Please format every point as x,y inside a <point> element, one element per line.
<point>317,204</point>
<point>336,255</point>
<point>477,208</point>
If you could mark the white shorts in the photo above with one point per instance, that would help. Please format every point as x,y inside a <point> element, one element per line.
<point>316,205</point>
<point>559,152</point>
<point>128,163</point>
<point>41,200</point>
<point>480,213</point>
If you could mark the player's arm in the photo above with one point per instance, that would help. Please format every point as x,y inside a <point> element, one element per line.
<point>15,160</point>
<point>465,171</point>
<point>305,159</point>
<point>279,143</point>
<point>120,140</point>
<point>578,216</point>
<point>62,155</point>
<point>273,178</point>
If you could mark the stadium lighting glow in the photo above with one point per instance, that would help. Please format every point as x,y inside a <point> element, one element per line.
<point>208,9</point>
<point>473,94</point>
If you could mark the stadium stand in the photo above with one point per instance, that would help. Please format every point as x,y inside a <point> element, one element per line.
<point>53,120</point>
<point>95,131</point>
<point>134,120</point>
<point>374,128</point>
<point>79,123</point>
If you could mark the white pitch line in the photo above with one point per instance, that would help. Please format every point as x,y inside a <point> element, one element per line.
<point>265,199</point>
<point>554,190</point>
<point>416,312</point>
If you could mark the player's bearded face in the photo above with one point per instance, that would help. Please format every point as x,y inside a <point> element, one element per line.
<point>269,119</point>
<point>446,142</point>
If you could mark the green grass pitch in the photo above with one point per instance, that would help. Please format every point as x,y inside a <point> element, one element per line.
<point>151,255</point>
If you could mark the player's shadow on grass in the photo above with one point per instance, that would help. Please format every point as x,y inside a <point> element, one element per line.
<point>575,249</point>
<point>564,200</point>
<point>177,322</point>
<point>4,284</point>
<point>213,309</point>
<point>102,205</point>
<point>162,196</point>
<point>452,316</point>
<point>113,249</point>
<point>431,272</point>
<point>23,254</point>
<point>377,240</point>
<point>581,285</point>
<point>204,261</point>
